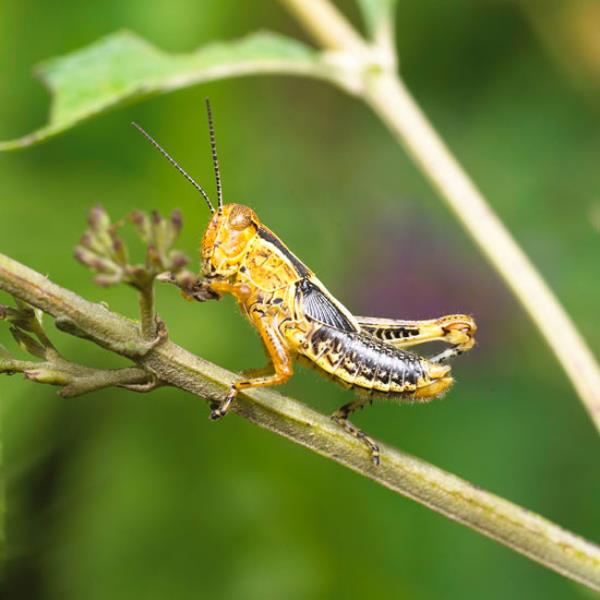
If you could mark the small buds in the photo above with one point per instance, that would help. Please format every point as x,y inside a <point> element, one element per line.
<point>99,219</point>
<point>25,326</point>
<point>22,316</point>
<point>43,374</point>
<point>176,221</point>
<point>178,260</point>
<point>119,250</point>
<point>27,343</point>
<point>102,250</point>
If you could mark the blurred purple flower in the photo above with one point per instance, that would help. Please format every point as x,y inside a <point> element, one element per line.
<point>414,269</point>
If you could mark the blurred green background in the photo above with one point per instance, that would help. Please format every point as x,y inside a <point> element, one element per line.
<point>117,495</point>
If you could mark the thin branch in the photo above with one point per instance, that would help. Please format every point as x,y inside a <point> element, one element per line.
<point>326,24</point>
<point>147,311</point>
<point>77,380</point>
<point>389,98</point>
<point>455,498</point>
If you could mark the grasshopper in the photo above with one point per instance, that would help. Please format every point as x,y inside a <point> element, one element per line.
<point>298,319</point>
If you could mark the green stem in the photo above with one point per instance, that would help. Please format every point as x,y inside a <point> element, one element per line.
<point>148,311</point>
<point>389,98</point>
<point>326,24</point>
<point>511,525</point>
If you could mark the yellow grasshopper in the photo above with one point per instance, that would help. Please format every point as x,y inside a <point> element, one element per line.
<point>299,320</point>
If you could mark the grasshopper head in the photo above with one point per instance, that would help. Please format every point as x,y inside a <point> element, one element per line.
<point>227,239</point>
<point>232,227</point>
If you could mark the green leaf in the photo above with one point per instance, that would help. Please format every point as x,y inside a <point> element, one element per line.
<point>376,12</point>
<point>124,67</point>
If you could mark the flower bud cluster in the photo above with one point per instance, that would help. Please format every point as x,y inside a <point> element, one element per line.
<point>103,251</point>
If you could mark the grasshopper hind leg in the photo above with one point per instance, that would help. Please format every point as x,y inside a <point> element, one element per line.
<point>340,416</point>
<point>456,330</point>
<point>464,341</point>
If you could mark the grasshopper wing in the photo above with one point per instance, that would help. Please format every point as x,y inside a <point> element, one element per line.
<point>318,305</point>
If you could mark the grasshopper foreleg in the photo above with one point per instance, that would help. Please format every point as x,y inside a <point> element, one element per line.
<point>192,287</point>
<point>341,415</point>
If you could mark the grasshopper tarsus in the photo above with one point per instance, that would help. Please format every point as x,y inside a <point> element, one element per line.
<point>359,434</point>
<point>193,288</point>
<point>216,414</point>
<point>219,409</point>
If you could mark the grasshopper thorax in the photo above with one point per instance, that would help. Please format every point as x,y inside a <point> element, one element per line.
<point>227,239</point>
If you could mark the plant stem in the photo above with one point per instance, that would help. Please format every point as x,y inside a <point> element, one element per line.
<point>389,98</point>
<point>326,24</point>
<point>147,311</point>
<point>459,500</point>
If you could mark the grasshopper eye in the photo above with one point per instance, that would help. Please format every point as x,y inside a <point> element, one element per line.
<point>239,221</point>
<point>241,217</point>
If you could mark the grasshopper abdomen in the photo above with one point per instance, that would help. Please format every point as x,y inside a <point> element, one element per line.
<point>360,361</point>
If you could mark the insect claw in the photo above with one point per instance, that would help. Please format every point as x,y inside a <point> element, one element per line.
<point>375,457</point>
<point>216,414</point>
<point>220,409</point>
<point>339,418</point>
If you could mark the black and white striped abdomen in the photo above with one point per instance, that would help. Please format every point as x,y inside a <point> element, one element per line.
<point>362,361</point>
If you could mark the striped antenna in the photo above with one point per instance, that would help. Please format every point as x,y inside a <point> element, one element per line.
<point>215,158</point>
<point>176,165</point>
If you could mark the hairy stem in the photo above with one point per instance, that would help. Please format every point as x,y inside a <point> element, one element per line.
<point>147,311</point>
<point>76,379</point>
<point>389,98</point>
<point>459,500</point>
<point>99,379</point>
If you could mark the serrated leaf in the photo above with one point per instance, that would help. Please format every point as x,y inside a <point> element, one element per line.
<point>123,67</point>
<point>375,12</point>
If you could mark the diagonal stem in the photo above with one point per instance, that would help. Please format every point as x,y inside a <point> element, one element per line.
<point>147,311</point>
<point>459,500</point>
<point>389,98</point>
<point>326,24</point>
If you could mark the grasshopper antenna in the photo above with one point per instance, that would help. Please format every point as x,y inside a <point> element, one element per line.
<point>176,165</point>
<point>215,158</point>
